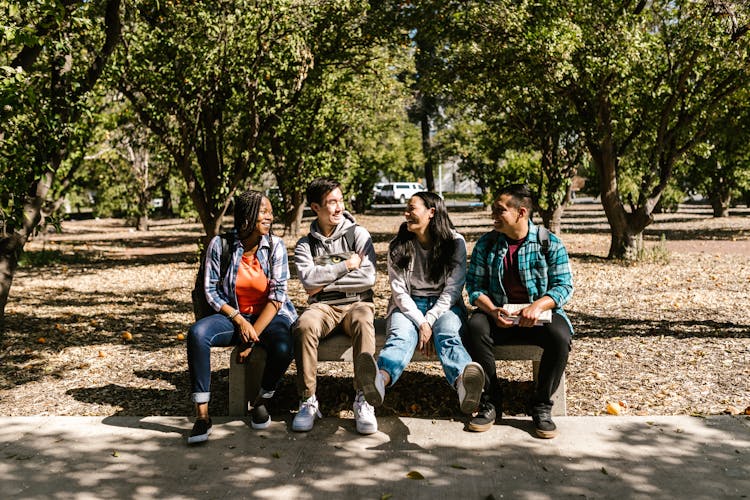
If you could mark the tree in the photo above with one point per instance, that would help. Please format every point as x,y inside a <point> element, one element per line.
<point>54,52</point>
<point>125,165</point>
<point>214,80</point>
<point>645,81</point>
<point>719,167</point>
<point>344,127</point>
<point>638,84</point>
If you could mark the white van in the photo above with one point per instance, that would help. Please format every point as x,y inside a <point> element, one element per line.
<point>400,191</point>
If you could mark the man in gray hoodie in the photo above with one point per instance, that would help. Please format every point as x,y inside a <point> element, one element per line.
<point>336,265</point>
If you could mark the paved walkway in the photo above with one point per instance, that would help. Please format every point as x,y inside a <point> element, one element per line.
<point>594,457</point>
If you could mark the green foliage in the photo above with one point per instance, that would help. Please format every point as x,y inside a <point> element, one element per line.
<point>718,169</point>
<point>244,85</point>
<point>48,61</point>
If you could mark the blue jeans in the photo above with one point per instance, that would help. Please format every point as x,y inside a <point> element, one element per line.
<point>403,338</point>
<point>218,331</point>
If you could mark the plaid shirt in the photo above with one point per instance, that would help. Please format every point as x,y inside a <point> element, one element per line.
<point>217,297</point>
<point>541,276</point>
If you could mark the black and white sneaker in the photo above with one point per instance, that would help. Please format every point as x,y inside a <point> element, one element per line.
<point>469,386</point>
<point>201,430</point>
<point>485,416</point>
<point>259,417</point>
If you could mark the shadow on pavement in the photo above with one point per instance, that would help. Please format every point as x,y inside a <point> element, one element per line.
<point>661,457</point>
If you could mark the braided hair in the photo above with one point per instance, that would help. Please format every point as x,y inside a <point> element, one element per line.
<point>443,249</point>
<point>246,211</point>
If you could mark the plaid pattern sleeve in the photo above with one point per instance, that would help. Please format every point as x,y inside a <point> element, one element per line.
<point>483,275</point>
<point>277,285</point>
<point>545,275</point>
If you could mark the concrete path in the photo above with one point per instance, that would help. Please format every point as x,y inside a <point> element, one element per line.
<point>594,457</point>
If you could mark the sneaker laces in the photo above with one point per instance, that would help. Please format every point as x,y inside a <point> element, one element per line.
<point>543,412</point>
<point>309,405</point>
<point>363,407</point>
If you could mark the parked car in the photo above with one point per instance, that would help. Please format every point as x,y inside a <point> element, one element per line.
<point>377,192</point>
<point>400,191</point>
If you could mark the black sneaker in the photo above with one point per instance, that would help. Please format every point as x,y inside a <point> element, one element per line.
<point>485,416</point>
<point>259,417</point>
<point>201,430</point>
<point>541,414</point>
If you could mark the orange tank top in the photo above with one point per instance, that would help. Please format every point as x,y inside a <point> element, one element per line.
<point>251,286</point>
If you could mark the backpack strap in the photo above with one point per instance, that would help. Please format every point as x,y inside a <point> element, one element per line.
<point>226,255</point>
<point>348,236</point>
<point>542,236</point>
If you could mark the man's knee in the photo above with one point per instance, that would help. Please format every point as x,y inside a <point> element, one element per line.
<point>362,312</point>
<point>559,335</point>
<point>477,327</point>
<point>308,326</point>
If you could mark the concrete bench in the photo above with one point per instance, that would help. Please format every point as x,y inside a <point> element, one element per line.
<point>244,379</point>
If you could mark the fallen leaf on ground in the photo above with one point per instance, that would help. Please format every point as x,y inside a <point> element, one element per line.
<point>414,475</point>
<point>613,408</point>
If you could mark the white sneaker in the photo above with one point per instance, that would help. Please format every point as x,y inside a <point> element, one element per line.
<point>364,415</point>
<point>369,379</point>
<point>305,417</point>
<point>469,387</point>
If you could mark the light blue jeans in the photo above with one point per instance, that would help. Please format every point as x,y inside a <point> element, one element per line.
<point>403,338</point>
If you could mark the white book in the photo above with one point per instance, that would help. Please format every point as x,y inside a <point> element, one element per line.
<point>545,317</point>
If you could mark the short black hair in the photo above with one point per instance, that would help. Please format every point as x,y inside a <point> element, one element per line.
<point>520,194</point>
<point>318,188</point>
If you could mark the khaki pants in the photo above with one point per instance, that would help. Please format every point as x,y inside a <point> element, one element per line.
<point>316,323</point>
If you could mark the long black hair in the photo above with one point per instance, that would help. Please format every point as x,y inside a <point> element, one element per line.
<point>440,228</point>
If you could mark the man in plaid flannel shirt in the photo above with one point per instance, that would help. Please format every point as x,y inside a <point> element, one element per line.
<point>510,265</point>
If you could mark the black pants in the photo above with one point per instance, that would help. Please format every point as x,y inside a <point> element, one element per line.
<point>482,334</point>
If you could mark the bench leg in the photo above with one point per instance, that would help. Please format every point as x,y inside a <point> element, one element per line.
<point>244,380</point>
<point>559,406</point>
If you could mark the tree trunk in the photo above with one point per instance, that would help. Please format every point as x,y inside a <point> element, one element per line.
<point>141,219</point>
<point>10,251</point>
<point>293,216</point>
<point>429,176</point>
<point>720,203</point>
<point>625,244</point>
<point>12,245</point>
<point>552,219</point>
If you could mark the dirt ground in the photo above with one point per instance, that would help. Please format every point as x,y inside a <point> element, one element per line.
<point>669,335</point>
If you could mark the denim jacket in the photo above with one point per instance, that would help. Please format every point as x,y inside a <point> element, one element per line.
<point>218,296</point>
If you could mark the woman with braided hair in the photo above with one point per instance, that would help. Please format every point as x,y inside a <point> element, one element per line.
<point>252,308</point>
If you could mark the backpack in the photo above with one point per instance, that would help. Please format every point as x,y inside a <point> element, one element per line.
<point>201,307</point>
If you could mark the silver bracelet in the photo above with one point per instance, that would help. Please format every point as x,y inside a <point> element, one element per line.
<point>235,313</point>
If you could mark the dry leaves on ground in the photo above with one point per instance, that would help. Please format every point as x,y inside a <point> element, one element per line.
<point>654,338</point>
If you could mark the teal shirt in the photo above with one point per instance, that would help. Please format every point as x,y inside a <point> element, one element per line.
<point>541,275</point>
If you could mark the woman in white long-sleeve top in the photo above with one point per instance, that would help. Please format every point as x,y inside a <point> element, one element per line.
<point>427,271</point>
